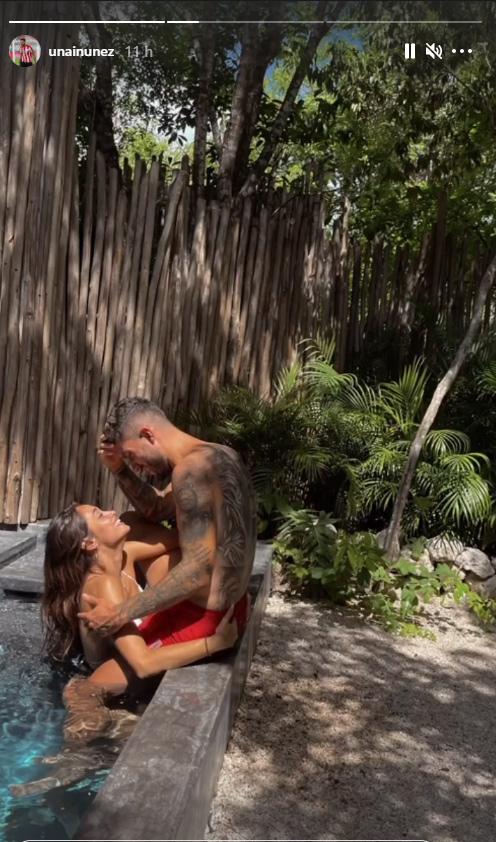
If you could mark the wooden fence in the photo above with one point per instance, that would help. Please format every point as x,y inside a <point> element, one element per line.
<point>108,290</point>
<point>126,303</point>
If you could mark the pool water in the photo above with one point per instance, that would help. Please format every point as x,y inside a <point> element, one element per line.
<point>31,717</point>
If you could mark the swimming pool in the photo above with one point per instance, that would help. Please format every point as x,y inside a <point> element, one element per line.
<point>31,717</point>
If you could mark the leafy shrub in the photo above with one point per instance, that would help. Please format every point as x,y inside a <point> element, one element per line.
<point>325,440</point>
<point>449,492</point>
<point>279,438</point>
<point>320,560</point>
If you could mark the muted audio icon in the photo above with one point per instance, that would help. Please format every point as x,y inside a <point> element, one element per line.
<point>434,50</point>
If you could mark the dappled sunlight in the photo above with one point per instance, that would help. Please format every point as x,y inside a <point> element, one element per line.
<point>346,730</point>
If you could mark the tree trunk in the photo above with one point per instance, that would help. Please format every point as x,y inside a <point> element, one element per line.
<point>267,50</point>
<point>236,122</point>
<point>205,52</point>
<point>392,545</point>
<point>103,124</point>
<point>214,128</point>
<point>317,32</point>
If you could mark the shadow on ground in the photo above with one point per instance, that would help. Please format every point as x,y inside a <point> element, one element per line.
<point>346,732</point>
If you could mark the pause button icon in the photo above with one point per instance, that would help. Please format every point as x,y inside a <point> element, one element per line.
<point>409,50</point>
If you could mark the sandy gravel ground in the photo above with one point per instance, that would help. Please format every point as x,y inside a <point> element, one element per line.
<point>346,732</point>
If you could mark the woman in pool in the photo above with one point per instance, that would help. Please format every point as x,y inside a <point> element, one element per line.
<point>97,552</point>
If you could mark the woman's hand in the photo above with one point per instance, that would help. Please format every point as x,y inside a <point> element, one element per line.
<point>103,618</point>
<point>226,633</point>
<point>111,455</point>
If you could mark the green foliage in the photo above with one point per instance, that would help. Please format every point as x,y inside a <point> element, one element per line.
<point>392,136</point>
<point>328,441</point>
<point>483,608</point>
<point>449,491</point>
<point>139,143</point>
<point>389,135</point>
<point>279,438</point>
<point>472,407</point>
<point>320,560</point>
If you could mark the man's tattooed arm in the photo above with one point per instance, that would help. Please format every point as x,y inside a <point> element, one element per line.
<point>238,533</point>
<point>198,542</point>
<point>147,500</point>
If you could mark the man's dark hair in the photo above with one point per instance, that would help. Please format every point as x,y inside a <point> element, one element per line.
<point>122,413</point>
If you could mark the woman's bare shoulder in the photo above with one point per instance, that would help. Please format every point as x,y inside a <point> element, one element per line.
<point>98,584</point>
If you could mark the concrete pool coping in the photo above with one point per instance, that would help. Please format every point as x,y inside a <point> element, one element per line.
<point>21,558</point>
<point>163,782</point>
<point>14,545</point>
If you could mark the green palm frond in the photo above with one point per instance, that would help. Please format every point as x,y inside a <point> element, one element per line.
<point>311,461</point>
<point>401,445</point>
<point>378,494</point>
<point>466,500</point>
<point>383,461</point>
<point>359,397</point>
<point>232,427</point>
<point>240,400</point>
<point>486,379</point>
<point>402,399</point>
<point>202,418</point>
<point>426,478</point>
<point>319,348</point>
<point>318,371</point>
<point>261,477</point>
<point>288,381</point>
<point>443,442</point>
<point>323,378</point>
<point>464,463</point>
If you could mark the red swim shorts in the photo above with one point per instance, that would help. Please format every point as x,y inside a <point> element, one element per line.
<point>187,621</point>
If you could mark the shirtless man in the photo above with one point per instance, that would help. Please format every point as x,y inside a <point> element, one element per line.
<point>212,500</point>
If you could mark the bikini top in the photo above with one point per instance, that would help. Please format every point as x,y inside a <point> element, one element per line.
<point>138,620</point>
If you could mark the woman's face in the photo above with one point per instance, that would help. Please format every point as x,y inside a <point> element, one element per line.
<point>105,527</point>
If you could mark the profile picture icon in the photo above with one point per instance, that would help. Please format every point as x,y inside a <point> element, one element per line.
<point>25,51</point>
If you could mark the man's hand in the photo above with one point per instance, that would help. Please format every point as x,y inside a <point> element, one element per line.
<point>226,633</point>
<point>103,618</point>
<point>111,455</point>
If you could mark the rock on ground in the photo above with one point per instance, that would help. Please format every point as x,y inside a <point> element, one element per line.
<point>475,561</point>
<point>347,732</point>
<point>444,550</point>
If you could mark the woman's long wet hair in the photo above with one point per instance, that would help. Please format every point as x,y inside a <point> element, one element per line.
<point>66,565</point>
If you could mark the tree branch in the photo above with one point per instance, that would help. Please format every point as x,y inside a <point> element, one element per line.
<point>392,545</point>
<point>316,34</point>
<point>237,117</point>
<point>214,127</point>
<point>267,50</point>
<point>204,47</point>
<point>103,96</point>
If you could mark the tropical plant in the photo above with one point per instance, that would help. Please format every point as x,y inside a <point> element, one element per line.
<point>317,559</point>
<point>328,441</point>
<point>449,491</point>
<point>320,559</point>
<point>278,438</point>
<point>138,143</point>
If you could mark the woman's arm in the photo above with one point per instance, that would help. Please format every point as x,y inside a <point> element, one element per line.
<point>145,661</point>
<point>148,540</point>
<point>150,549</point>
